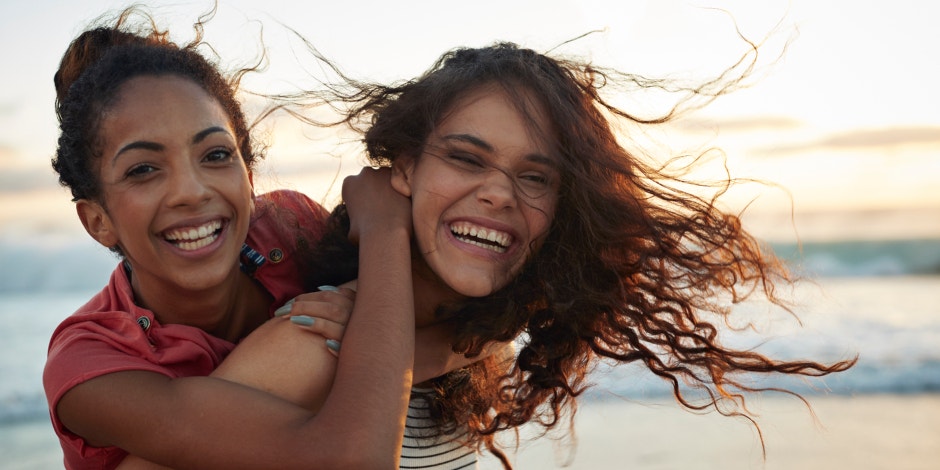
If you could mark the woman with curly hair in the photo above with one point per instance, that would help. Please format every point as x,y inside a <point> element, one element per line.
<point>534,224</point>
<point>158,157</point>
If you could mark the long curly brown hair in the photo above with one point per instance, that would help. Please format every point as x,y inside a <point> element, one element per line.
<point>635,268</point>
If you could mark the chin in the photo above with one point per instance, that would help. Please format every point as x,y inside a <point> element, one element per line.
<point>475,289</point>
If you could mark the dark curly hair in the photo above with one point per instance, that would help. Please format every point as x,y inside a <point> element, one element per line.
<point>95,66</point>
<point>635,269</point>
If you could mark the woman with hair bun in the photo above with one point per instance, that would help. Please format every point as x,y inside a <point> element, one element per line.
<point>158,156</point>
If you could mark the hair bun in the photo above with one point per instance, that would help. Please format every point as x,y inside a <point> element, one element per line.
<point>84,51</point>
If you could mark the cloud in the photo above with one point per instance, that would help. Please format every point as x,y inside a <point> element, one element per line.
<point>8,109</point>
<point>864,139</point>
<point>7,152</point>
<point>14,180</point>
<point>750,124</point>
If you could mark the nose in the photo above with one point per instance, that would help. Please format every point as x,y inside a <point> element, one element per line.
<point>497,190</point>
<point>187,187</point>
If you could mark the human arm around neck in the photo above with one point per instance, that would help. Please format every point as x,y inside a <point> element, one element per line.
<point>207,422</point>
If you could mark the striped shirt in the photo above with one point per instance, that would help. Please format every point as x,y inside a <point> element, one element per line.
<point>423,448</point>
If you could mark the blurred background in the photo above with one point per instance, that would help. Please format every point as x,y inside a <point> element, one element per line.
<point>842,114</point>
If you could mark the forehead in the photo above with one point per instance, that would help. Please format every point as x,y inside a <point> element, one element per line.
<point>152,104</point>
<point>164,91</point>
<point>510,115</point>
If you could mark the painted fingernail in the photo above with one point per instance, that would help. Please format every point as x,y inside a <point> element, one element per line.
<point>333,345</point>
<point>284,309</point>
<point>328,288</point>
<point>302,320</point>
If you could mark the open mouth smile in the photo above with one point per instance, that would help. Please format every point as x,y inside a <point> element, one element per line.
<point>194,238</point>
<point>489,239</point>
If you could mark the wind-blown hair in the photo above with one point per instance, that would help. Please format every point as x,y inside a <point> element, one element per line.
<point>95,66</point>
<point>634,269</point>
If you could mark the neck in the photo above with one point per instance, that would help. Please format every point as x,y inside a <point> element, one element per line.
<point>430,293</point>
<point>229,311</point>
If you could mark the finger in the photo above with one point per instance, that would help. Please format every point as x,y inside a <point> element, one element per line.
<point>333,347</point>
<point>328,292</point>
<point>321,326</point>
<point>311,303</point>
<point>333,311</point>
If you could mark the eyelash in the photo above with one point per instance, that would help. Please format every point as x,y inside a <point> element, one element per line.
<point>463,159</point>
<point>139,170</point>
<point>539,179</point>
<point>227,154</point>
<point>466,159</point>
<point>217,155</point>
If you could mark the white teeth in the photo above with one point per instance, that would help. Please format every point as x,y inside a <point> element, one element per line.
<point>196,237</point>
<point>470,241</point>
<point>499,241</point>
<point>189,246</point>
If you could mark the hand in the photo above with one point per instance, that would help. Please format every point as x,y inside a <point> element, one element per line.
<point>325,312</point>
<point>373,204</point>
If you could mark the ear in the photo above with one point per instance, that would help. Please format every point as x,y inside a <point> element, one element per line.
<point>96,221</point>
<point>251,184</point>
<point>402,174</point>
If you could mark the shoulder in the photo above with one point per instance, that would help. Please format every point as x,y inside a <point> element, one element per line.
<point>286,215</point>
<point>286,201</point>
<point>113,305</point>
<point>284,225</point>
<point>110,333</point>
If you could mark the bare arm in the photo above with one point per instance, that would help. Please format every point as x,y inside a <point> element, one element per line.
<point>208,422</point>
<point>292,361</point>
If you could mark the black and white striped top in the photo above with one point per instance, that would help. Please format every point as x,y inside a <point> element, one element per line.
<point>423,448</point>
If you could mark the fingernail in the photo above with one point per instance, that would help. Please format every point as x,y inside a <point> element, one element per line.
<point>284,309</point>
<point>332,344</point>
<point>302,320</point>
<point>328,288</point>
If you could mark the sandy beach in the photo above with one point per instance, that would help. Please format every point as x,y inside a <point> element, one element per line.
<point>860,433</point>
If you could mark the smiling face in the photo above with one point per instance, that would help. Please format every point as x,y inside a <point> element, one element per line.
<point>483,191</point>
<point>176,195</point>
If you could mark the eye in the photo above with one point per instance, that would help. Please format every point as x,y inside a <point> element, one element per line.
<point>466,160</point>
<point>139,170</point>
<point>219,155</point>
<point>535,179</point>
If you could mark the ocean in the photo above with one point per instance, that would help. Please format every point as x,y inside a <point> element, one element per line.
<point>877,300</point>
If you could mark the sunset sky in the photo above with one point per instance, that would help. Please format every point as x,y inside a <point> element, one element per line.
<point>847,118</point>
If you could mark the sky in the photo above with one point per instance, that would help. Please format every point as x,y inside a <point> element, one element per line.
<point>843,114</point>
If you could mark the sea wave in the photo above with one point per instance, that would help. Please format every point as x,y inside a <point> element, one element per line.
<point>635,383</point>
<point>865,378</point>
<point>54,264</point>
<point>850,258</point>
<point>18,408</point>
<point>890,322</point>
<point>46,264</point>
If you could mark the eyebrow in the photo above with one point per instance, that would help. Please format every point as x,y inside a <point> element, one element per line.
<point>155,147</point>
<point>470,139</point>
<point>484,145</point>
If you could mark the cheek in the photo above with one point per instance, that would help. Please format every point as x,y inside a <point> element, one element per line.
<point>425,213</point>
<point>540,216</point>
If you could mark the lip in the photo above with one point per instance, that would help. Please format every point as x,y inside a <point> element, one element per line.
<point>499,231</point>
